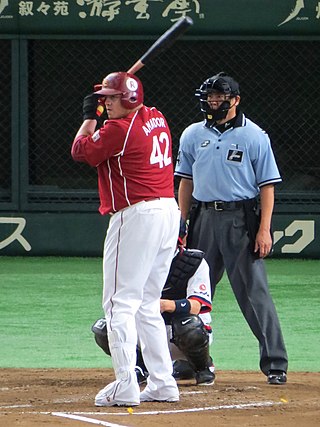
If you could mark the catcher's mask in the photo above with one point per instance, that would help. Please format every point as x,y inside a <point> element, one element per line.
<point>222,84</point>
<point>126,84</point>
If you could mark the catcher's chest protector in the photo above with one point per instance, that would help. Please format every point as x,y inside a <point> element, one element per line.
<point>183,266</point>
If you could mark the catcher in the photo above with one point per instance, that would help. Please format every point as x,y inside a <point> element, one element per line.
<point>185,306</point>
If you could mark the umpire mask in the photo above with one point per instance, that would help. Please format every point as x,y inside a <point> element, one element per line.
<point>212,116</point>
<point>221,83</point>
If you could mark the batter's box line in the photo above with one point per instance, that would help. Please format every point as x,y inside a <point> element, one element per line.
<point>79,416</point>
<point>86,419</point>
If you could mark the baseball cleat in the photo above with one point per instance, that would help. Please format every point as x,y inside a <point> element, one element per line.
<point>105,398</point>
<point>149,396</point>
<point>141,375</point>
<point>182,370</point>
<point>205,377</point>
<point>277,377</point>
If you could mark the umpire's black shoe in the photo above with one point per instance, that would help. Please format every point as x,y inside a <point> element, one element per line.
<point>205,377</point>
<point>277,377</point>
<point>141,375</point>
<point>182,370</point>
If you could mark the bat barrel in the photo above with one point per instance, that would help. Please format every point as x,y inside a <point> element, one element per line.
<point>167,39</point>
<point>163,42</point>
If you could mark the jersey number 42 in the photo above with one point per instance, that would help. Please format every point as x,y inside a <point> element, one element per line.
<point>160,150</point>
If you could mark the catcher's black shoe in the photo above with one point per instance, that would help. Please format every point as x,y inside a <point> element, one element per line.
<point>141,375</point>
<point>182,370</point>
<point>277,377</point>
<point>205,377</point>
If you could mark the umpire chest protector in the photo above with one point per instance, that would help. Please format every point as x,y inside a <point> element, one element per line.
<point>183,266</point>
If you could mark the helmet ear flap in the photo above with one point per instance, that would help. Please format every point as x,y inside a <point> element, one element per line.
<point>131,100</point>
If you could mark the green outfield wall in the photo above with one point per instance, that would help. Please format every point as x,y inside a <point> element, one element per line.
<point>82,234</point>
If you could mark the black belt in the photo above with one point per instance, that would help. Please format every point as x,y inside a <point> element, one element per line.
<point>151,199</point>
<point>223,206</point>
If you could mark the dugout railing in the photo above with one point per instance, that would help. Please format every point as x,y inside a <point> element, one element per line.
<point>43,82</point>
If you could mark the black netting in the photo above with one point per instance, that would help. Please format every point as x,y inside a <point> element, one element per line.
<point>5,122</point>
<point>279,86</point>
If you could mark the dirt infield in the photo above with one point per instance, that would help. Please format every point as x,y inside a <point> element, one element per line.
<point>64,397</point>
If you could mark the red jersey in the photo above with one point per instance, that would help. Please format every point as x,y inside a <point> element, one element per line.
<point>133,156</point>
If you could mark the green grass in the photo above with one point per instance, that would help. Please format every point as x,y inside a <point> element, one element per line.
<point>295,288</point>
<point>48,305</point>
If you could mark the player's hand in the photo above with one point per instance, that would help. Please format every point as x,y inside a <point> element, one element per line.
<point>183,230</point>
<point>263,243</point>
<point>93,107</point>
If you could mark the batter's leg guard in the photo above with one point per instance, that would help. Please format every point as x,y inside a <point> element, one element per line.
<point>123,356</point>
<point>99,328</point>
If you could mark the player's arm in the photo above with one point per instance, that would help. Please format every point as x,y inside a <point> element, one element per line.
<point>77,150</point>
<point>185,196</point>
<point>87,128</point>
<point>263,241</point>
<point>185,306</point>
<point>90,117</point>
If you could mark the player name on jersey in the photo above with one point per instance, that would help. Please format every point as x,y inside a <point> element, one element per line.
<point>155,122</point>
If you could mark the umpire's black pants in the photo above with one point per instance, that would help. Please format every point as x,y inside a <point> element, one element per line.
<point>223,236</point>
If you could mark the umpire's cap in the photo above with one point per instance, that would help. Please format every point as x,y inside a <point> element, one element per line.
<point>221,83</point>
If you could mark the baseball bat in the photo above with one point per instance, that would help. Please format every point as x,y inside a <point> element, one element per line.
<point>163,42</point>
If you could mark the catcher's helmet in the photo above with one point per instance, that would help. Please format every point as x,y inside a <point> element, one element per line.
<point>220,83</point>
<point>126,84</point>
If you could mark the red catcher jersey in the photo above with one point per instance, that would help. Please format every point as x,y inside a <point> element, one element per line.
<point>133,157</point>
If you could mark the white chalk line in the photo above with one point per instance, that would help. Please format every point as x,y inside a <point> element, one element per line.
<point>135,411</point>
<point>78,417</point>
<point>77,399</point>
<point>86,419</point>
<point>73,401</point>
<point>179,411</point>
<point>15,406</point>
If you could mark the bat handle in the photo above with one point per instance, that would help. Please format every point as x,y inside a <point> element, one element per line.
<point>135,67</point>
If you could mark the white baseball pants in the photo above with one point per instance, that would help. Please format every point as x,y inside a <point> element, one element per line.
<point>138,251</point>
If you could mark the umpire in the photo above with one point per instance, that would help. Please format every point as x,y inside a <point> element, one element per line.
<point>225,163</point>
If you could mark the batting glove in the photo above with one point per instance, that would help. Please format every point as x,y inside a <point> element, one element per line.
<point>92,107</point>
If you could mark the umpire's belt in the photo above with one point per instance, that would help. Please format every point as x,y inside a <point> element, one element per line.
<point>223,206</point>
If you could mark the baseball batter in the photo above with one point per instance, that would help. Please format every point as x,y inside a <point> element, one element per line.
<point>185,305</point>
<point>132,154</point>
<point>225,163</point>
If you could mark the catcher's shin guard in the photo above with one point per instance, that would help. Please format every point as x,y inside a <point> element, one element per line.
<point>192,338</point>
<point>99,328</point>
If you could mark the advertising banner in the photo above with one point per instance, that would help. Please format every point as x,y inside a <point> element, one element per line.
<point>82,234</point>
<point>152,17</point>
